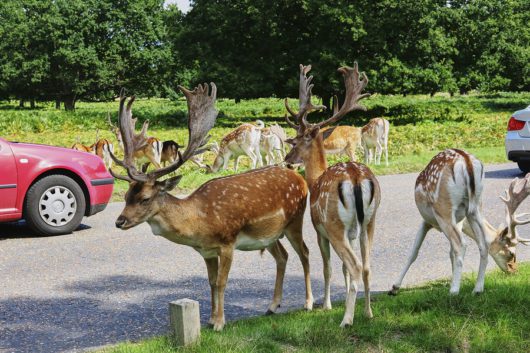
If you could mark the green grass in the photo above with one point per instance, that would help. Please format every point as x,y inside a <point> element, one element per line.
<point>421,319</point>
<point>421,126</point>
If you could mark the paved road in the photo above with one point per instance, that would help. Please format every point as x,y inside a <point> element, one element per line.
<point>101,285</point>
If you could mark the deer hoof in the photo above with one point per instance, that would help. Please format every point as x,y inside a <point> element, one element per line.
<point>394,291</point>
<point>269,312</point>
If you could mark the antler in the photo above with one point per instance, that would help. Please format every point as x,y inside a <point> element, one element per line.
<point>131,141</point>
<point>516,193</point>
<point>355,84</point>
<point>202,115</point>
<point>304,99</point>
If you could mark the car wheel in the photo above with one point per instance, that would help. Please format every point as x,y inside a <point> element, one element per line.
<point>54,205</point>
<point>524,166</point>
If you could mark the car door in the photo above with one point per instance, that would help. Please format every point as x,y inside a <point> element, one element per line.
<point>8,179</point>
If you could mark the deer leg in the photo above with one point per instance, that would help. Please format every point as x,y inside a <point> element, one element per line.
<point>420,236</point>
<point>225,262</point>
<point>458,247</point>
<point>293,232</point>
<point>366,153</point>
<point>236,163</point>
<point>386,150</point>
<point>250,153</point>
<point>280,255</point>
<point>258,155</point>
<point>477,224</point>
<point>366,248</point>
<point>378,152</point>
<point>226,159</point>
<point>346,254</point>
<point>323,244</point>
<point>212,265</point>
<point>350,151</point>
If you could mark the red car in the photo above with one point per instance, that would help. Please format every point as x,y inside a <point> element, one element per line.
<point>52,188</point>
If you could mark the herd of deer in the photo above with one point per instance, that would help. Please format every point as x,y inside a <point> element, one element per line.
<point>255,141</point>
<point>254,210</point>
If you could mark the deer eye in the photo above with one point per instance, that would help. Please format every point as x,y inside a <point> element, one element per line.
<point>144,201</point>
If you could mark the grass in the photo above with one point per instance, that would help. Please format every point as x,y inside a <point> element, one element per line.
<point>420,319</point>
<point>421,126</point>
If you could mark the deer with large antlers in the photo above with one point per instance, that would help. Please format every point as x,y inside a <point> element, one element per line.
<point>448,196</point>
<point>249,211</point>
<point>344,198</point>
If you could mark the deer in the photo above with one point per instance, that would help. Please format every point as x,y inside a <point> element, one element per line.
<point>272,143</point>
<point>170,151</point>
<point>248,211</point>
<point>448,196</point>
<point>375,139</point>
<point>150,151</point>
<point>344,198</point>
<point>341,140</point>
<point>244,140</point>
<point>100,148</point>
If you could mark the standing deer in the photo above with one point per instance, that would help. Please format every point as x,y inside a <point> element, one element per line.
<point>375,139</point>
<point>146,152</point>
<point>170,151</point>
<point>101,148</point>
<point>448,196</point>
<point>271,144</point>
<point>344,198</point>
<point>249,211</point>
<point>244,140</point>
<point>341,140</point>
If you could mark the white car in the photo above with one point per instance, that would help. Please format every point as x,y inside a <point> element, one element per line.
<point>518,139</point>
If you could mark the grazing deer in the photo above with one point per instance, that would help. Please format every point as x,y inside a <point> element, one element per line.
<point>341,140</point>
<point>148,150</point>
<point>170,151</point>
<point>249,211</point>
<point>100,148</point>
<point>271,144</point>
<point>375,139</point>
<point>448,196</point>
<point>244,140</point>
<point>344,198</point>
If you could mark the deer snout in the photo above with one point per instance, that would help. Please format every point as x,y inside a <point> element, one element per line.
<point>120,222</point>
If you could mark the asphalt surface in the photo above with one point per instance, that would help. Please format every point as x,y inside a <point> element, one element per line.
<point>102,285</point>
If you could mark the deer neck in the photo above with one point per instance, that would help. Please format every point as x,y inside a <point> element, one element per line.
<point>176,219</point>
<point>491,232</point>
<point>315,164</point>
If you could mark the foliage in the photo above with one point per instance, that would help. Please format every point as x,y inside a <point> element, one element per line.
<point>421,319</point>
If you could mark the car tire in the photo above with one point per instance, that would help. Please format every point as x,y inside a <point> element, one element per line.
<point>524,166</point>
<point>54,205</point>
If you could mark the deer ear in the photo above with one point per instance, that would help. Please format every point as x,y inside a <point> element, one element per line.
<point>169,184</point>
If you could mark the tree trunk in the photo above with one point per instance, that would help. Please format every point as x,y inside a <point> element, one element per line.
<point>69,102</point>
<point>21,103</point>
<point>32,103</point>
<point>58,103</point>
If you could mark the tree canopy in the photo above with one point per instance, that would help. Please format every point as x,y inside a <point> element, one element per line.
<point>66,50</point>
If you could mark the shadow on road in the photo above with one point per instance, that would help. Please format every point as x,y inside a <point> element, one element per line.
<point>504,174</point>
<point>14,230</point>
<point>111,309</point>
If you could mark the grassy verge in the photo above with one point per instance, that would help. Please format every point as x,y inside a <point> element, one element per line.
<point>421,319</point>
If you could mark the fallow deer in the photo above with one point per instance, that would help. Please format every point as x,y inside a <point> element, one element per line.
<point>101,148</point>
<point>341,140</point>
<point>242,141</point>
<point>375,139</point>
<point>249,211</point>
<point>170,151</point>
<point>344,198</point>
<point>448,195</point>
<point>148,149</point>
<point>272,144</point>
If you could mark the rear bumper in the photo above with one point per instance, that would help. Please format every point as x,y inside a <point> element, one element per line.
<point>517,147</point>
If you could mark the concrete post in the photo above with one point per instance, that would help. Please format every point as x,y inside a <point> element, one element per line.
<point>185,321</point>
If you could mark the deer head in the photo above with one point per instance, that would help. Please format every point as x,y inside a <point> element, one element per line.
<point>502,249</point>
<point>146,192</point>
<point>306,133</point>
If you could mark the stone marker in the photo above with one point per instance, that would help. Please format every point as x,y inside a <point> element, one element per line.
<point>185,321</point>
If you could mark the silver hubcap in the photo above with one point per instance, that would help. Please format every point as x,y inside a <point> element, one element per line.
<point>57,206</point>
